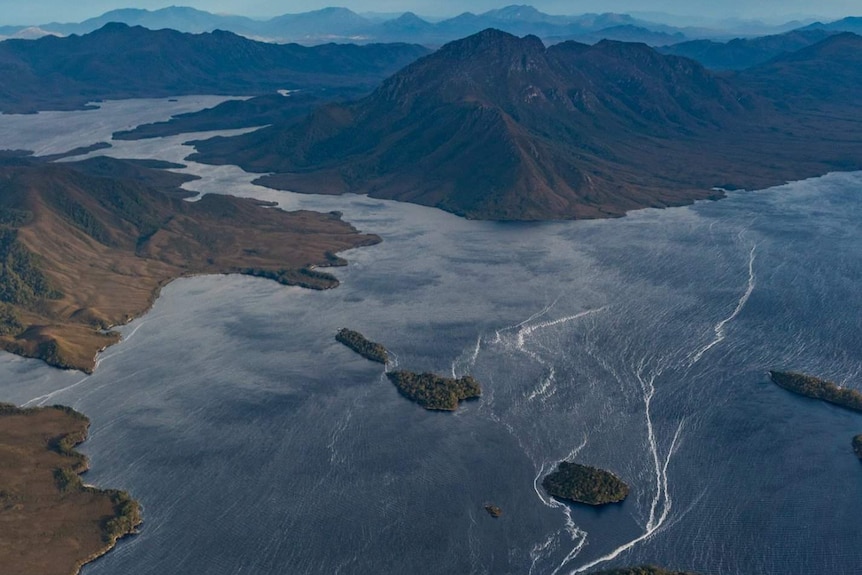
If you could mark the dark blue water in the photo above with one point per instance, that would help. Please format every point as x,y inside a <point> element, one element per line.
<point>259,445</point>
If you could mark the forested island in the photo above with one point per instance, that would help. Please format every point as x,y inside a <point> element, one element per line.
<point>357,342</point>
<point>50,522</point>
<point>815,388</point>
<point>434,392</point>
<point>585,484</point>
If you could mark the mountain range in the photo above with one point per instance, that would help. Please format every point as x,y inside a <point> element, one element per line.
<point>742,53</point>
<point>118,61</point>
<point>344,25</point>
<point>500,127</point>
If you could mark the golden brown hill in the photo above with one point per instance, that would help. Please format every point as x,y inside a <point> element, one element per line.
<point>80,253</point>
<point>50,523</point>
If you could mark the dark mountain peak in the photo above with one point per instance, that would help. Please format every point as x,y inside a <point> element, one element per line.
<point>496,126</point>
<point>114,28</point>
<point>335,11</point>
<point>490,41</point>
<point>621,49</point>
<point>407,22</point>
<point>519,12</point>
<point>614,55</point>
<point>407,17</point>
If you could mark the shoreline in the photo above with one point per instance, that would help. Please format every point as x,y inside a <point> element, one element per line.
<point>46,501</point>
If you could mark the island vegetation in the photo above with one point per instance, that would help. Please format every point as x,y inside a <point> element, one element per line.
<point>857,446</point>
<point>367,349</point>
<point>50,522</point>
<point>493,510</point>
<point>641,570</point>
<point>434,392</point>
<point>815,388</point>
<point>85,246</point>
<point>585,484</point>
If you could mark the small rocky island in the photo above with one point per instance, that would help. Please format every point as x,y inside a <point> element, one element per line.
<point>493,510</point>
<point>434,392</point>
<point>857,446</point>
<point>357,342</point>
<point>50,522</point>
<point>585,484</point>
<point>817,389</point>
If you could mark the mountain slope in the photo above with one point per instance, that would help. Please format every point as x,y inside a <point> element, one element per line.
<point>742,53</point>
<point>849,24</point>
<point>500,127</point>
<point>826,74</point>
<point>117,61</point>
<point>85,246</point>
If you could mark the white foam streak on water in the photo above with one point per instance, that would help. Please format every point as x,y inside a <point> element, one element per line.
<point>43,399</point>
<point>578,535</point>
<point>392,363</point>
<point>545,388</point>
<point>719,327</point>
<point>535,316</point>
<point>529,329</point>
<point>662,497</point>
<point>462,366</point>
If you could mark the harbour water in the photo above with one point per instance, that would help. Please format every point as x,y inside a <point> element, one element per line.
<point>257,444</point>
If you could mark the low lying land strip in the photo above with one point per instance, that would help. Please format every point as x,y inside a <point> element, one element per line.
<point>817,389</point>
<point>367,349</point>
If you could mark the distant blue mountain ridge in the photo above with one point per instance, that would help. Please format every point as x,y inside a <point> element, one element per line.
<point>336,24</point>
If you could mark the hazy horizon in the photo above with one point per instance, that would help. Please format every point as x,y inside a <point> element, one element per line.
<point>18,12</point>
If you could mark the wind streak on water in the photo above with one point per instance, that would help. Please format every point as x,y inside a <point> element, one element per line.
<point>719,327</point>
<point>43,399</point>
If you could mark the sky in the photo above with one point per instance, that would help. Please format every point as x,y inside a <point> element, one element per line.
<point>43,11</point>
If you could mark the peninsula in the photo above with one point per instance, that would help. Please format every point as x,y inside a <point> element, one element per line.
<point>357,342</point>
<point>50,522</point>
<point>434,392</point>
<point>818,389</point>
<point>86,246</point>
<point>585,484</point>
